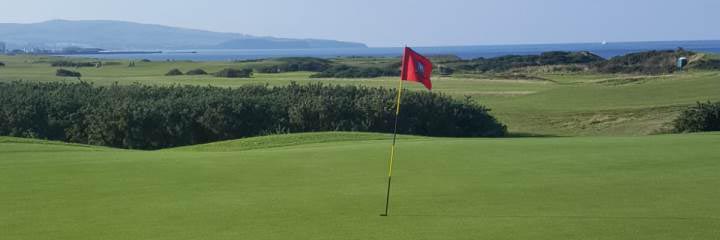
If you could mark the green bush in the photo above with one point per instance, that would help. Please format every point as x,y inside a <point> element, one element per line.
<point>66,63</point>
<point>67,73</point>
<point>445,71</point>
<point>295,64</point>
<point>234,73</point>
<point>196,72</point>
<point>702,117</point>
<point>2,64</point>
<point>345,71</point>
<point>706,64</point>
<point>147,117</point>
<point>174,72</point>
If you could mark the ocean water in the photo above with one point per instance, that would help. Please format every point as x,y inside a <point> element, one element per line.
<point>608,50</point>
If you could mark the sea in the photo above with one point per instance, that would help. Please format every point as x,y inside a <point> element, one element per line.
<point>604,49</point>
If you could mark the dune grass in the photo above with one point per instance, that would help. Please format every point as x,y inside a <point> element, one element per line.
<point>652,187</point>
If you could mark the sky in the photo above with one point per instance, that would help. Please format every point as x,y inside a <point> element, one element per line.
<point>381,23</point>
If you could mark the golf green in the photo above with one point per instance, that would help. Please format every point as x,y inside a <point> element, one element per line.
<point>332,186</point>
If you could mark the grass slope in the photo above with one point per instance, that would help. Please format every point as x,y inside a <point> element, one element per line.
<point>285,140</point>
<point>653,187</point>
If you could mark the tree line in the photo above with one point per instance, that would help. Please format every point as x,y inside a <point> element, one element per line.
<point>226,73</point>
<point>153,117</point>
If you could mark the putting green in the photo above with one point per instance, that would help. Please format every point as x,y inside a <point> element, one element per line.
<point>308,187</point>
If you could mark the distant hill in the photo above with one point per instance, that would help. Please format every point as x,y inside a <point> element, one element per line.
<point>284,43</point>
<point>118,35</point>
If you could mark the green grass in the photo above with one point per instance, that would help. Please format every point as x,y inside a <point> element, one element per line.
<point>284,140</point>
<point>652,187</point>
<point>564,104</point>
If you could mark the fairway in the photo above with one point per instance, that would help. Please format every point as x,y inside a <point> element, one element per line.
<point>331,186</point>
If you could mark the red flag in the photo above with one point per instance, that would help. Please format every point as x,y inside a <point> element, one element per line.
<point>416,68</point>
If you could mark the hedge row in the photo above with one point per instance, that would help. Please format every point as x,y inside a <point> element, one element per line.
<point>151,117</point>
<point>295,64</point>
<point>346,71</point>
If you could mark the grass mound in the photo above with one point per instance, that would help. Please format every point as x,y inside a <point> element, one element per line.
<point>285,140</point>
<point>13,144</point>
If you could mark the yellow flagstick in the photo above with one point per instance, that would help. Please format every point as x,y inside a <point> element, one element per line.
<point>392,149</point>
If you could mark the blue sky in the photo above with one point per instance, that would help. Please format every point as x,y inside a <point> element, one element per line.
<point>393,23</point>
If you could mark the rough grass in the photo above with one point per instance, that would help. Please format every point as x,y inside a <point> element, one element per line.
<point>652,187</point>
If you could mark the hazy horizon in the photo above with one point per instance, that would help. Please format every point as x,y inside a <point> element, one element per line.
<point>379,24</point>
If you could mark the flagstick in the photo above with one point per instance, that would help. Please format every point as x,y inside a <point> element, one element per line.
<point>392,150</point>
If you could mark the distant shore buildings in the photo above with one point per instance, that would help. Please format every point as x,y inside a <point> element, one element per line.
<point>65,51</point>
